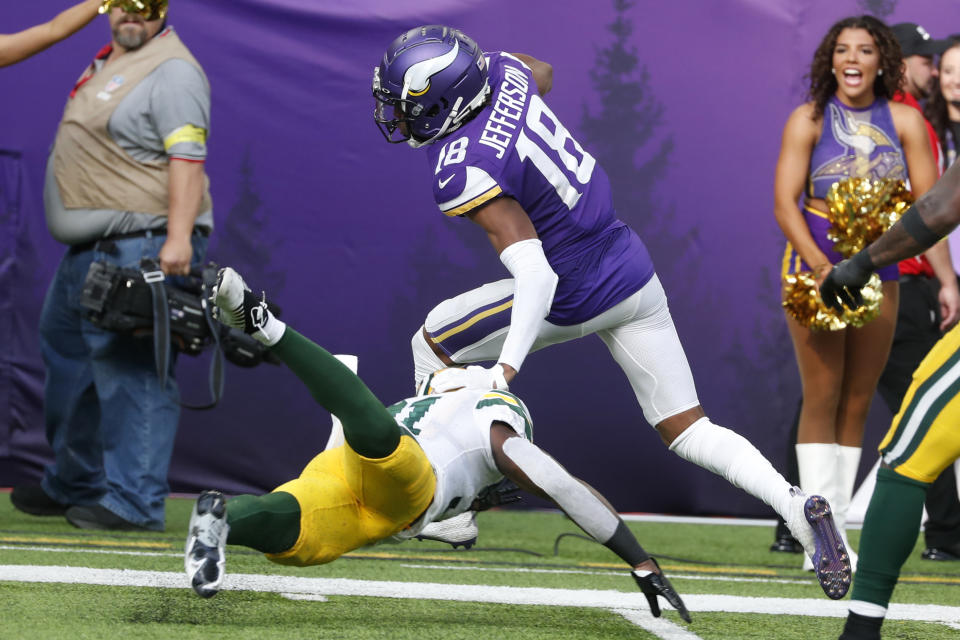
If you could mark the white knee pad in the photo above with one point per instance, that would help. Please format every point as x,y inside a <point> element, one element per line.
<point>569,493</point>
<point>425,361</point>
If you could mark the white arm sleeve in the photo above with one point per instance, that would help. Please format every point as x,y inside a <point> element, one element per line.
<point>570,494</point>
<point>534,285</point>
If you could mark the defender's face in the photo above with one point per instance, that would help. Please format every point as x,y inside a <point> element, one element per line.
<point>131,30</point>
<point>856,61</point>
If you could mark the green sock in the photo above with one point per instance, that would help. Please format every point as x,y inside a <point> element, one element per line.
<point>367,426</point>
<point>890,530</point>
<point>269,523</point>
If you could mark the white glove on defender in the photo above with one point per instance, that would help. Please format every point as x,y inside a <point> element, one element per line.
<point>474,377</point>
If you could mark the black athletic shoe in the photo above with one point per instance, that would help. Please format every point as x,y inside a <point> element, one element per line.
<point>95,516</point>
<point>32,499</point>
<point>784,542</point>
<point>946,553</point>
<point>859,627</point>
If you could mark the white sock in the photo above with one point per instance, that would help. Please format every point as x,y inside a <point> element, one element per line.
<point>868,609</point>
<point>848,462</point>
<point>425,361</point>
<point>271,331</point>
<point>730,455</point>
<point>817,464</point>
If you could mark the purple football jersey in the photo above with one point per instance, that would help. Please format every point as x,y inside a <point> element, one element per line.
<point>516,147</point>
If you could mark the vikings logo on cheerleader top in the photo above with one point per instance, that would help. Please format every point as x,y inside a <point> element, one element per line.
<point>855,143</point>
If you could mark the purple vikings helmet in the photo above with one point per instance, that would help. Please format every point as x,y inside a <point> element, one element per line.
<point>431,79</point>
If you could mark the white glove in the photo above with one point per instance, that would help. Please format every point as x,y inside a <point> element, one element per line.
<point>475,377</point>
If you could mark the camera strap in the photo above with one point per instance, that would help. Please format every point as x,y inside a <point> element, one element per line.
<point>154,278</point>
<point>216,364</point>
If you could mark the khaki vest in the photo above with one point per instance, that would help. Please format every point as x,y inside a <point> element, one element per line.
<point>93,171</point>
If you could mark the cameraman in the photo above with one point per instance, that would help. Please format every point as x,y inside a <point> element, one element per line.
<point>125,180</point>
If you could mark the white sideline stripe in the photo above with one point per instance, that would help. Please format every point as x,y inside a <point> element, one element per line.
<point>304,596</point>
<point>660,627</point>
<point>655,517</point>
<point>609,572</point>
<point>736,522</point>
<point>604,599</point>
<point>114,552</point>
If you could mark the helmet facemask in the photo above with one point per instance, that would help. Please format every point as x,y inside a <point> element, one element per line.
<point>392,113</point>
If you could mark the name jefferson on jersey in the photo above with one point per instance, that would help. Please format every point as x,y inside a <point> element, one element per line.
<point>516,147</point>
<point>507,109</point>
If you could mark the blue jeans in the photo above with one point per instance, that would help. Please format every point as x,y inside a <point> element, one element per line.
<point>109,420</point>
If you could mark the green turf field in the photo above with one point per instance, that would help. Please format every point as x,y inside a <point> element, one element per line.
<point>525,580</point>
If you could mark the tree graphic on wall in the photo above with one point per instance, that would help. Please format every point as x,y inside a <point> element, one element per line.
<point>624,134</point>
<point>240,241</point>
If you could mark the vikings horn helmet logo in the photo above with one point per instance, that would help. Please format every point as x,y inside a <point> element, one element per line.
<point>428,83</point>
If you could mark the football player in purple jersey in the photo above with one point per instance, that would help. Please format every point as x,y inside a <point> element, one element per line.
<point>501,158</point>
<point>18,46</point>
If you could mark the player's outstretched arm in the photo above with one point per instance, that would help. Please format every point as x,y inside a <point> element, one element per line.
<point>19,46</point>
<point>535,471</point>
<point>932,217</point>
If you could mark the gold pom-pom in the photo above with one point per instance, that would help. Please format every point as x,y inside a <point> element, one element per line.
<point>802,301</point>
<point>149,9</point>
<point>861,209</point>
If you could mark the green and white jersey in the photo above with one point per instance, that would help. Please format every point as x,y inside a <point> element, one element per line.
<point>454,431</point>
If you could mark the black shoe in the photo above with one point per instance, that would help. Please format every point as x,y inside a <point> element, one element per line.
<point>859,627</point>
<point>96,516</point>
<point>786,544</point>
<point>946,553</point>
<point>32,499</point>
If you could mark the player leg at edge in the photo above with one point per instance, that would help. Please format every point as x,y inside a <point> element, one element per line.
<point>270,523</point>
<point>733,457</point>
<point>890,530</point>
